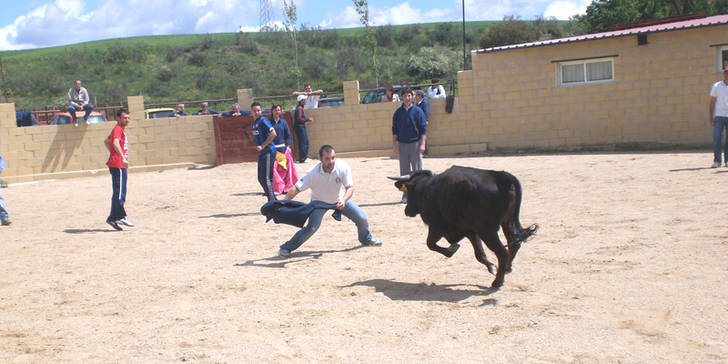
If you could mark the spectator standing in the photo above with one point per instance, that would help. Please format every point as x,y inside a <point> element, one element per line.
<point>284,172</point>
<point>78,99</point>
<point>118,164</point>
<point>311,96</point>
<point>409,136</point>
<point>436,91</point>
<point>719,117</point>
<point>390,95</point>
<point>299,127</point>
<point>331,182</point>
<point>236,111</point>
<point>421,102</point>
<point>264,134</point>
<point>180,110</point>
<point>4,216</point>
<point>205,110</point>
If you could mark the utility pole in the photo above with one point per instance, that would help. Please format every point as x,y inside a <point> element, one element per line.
<point>465,60</point>
<point>3,92</point>
<point>264,14</point>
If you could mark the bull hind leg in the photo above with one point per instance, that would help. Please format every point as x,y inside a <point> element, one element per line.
<point>492,241</point>
<point>513,244</point>
<point>480,254</point>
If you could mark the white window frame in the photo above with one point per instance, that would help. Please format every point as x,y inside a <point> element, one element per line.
<point>584,62</point>
<point>719,60</point>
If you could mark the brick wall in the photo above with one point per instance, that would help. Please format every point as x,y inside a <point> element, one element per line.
<point>60,151</point>
<point>509,100</point>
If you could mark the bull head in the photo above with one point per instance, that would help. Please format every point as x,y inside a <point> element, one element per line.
<point>400,182</point>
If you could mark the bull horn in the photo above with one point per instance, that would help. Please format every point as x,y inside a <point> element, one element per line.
<point>400,178</point>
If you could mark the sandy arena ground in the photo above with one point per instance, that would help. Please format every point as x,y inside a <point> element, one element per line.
<point>630,265</point>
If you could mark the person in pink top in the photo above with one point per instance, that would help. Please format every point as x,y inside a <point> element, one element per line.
<point>118,164</point>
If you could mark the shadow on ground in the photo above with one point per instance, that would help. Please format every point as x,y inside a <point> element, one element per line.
<point>403,291</point>
<point>218,216</point>
<point>84,231</point>
<point>296,256</point>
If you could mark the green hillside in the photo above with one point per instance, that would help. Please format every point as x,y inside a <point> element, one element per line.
<point>213,66</point>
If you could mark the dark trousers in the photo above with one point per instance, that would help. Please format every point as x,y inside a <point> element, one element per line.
<point>265,174</point>
<point>118,184</point>
<point>87,108</point>
<point>302,136</point>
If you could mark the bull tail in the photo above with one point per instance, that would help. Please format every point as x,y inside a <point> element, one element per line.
<point>514,232</point>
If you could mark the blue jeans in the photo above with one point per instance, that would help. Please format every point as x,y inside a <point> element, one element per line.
<point>72,110</point>
<point>302,137</point>
<point>351,211</point>
<point>118,184</point>
<point>3,208</point>
<point>721,122</point>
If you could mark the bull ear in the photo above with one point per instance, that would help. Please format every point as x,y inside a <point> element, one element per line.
<point>400,186</point>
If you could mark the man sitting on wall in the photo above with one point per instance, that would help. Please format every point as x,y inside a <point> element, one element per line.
<point>78,99</point>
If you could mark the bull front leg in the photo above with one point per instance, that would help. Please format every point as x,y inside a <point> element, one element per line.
<point>433,238</point>
<point>493,242</point>
<point>480,254</point>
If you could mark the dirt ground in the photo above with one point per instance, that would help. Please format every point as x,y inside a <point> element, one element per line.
<point>630,265</point>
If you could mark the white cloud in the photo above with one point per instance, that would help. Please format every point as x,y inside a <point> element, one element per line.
<point>68,21</point>
<point>563,10</point>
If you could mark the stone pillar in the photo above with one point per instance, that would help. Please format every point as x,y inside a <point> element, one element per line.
<point>245,98</point>
<point>7,116</point>
<point>351,92</point>
<point>136,107</point>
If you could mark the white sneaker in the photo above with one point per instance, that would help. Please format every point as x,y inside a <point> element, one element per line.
<point>126,222</point>
<point>284,253</point>
<point>715,165</point>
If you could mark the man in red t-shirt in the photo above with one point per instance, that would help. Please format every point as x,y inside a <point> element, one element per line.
<point>118,164</point>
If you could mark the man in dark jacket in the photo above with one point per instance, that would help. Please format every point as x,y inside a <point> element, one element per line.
<point>409,135</point>
<point>299,127</point>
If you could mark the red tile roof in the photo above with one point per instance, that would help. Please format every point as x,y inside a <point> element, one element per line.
<point>692,23</point>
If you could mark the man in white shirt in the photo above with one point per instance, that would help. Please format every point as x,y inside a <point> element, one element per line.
<point>330,182</point>
<point>719,117</point>
<point>312,97</point>
<point>436,91</point>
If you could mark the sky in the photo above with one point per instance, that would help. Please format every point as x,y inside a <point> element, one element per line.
<point>42,23</point>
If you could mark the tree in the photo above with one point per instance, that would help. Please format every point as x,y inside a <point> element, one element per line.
<point>602,14</point>
<point>370,40</point>
<point>431,63</point>
<point>510,31</point>
<point>289,10</point>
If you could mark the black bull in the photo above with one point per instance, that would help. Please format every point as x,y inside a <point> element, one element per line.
<point>469,202</point>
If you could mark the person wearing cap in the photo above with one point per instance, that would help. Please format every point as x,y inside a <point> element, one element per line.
<point>409,136</point>
<point>718,110</point>
<point>299,127</point>
<point>312,97</point>
<point>205,110</point>
<point>436,91</point>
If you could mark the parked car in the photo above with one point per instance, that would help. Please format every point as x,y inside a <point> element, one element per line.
<point>376,95</point>
<point>65,118</point>
<point>162,112</point>
<point>331,101</point>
